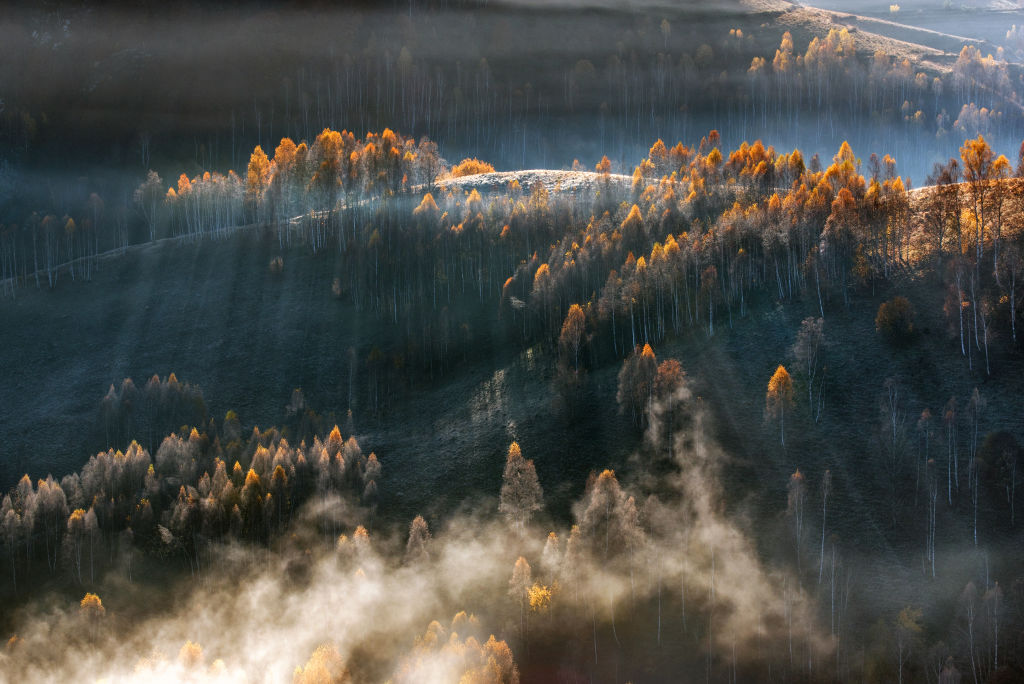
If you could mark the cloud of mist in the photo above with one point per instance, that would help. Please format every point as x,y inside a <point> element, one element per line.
<point>262,613</point>
<point>753,605</point>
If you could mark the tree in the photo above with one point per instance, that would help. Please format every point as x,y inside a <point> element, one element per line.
<point>572,336</point>
<point>610,524</point>
<point>191,655</point>
<point>416,550</point>
<point>826,490</point>
<point>978,160</point>
<point>778,398</point>
<point>521,493</point>
<point>797,493</point>
<point>669,387</point>
<point>636,382</point>
<point>325,666</point>
<point>256,180</point>
<point>895,320</point>
<point>10,533</point>
<point>519,588</point>
<point>993,604</point>
<point>76,531</point>
<point>807,351</point>
<point>908,632</point>
<point>968,609</point>
<point>570,341</point>
<point>551,557</point>
<point>148,197</point>
<point>91,529</point>
<point>92,610</point>
<point>1010,268</point>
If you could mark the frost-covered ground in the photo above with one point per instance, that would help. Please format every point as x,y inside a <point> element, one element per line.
<point>553,181</point>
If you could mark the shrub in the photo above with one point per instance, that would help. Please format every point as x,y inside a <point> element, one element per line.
<point>469,167</point>
<point>895,319</point>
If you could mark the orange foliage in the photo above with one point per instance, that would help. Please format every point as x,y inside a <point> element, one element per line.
<point>471,167</point>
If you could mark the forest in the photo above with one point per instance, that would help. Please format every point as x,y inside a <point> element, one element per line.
<point>363,376</point>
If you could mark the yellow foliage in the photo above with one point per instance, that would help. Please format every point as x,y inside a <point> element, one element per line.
<point>191,654</point>
<point>780,387</point>
<point>91,606</point>
<point>539,597</point>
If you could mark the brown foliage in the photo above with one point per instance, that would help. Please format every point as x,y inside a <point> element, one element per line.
<point>895,319</point>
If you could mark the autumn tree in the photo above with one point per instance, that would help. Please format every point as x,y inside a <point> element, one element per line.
<point>256,181</point>
<point>518,589</point>
<point>636,382</point>
<point>92,611</point>
<point>778,398</point>
<point>325,666</point>
<point>572,337</point>
<point>610,526</point>
<point>73,540</point>
<point>978,158</point>
<point>521,493</point>
<point>669,389</point>
<point>569,374</point>
<point>416,548</point>
<point>190,655</point>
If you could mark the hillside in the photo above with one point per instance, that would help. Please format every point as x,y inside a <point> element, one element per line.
<point>703,364</point>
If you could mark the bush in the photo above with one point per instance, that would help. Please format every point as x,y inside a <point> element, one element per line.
<point>895,319</point>
<point>469,167</point>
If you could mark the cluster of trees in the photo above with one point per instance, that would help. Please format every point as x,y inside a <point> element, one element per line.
<point>563,591</point>
<point>48,243</point>
<point>660,84</point>
<point>305,181</point>
<point>457,652</point>
<point>971,226</point>
<point>970,99</point>
<point>634,573</point>
<point>695,236</point>
<point>159,408</point>
<point>182,499</point>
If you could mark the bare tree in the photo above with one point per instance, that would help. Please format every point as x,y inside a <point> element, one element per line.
<point>807,351</point>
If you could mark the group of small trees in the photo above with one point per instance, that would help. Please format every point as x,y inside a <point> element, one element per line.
<point>181,500</point>
<point>971,228</point>
<point>163,405</point>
